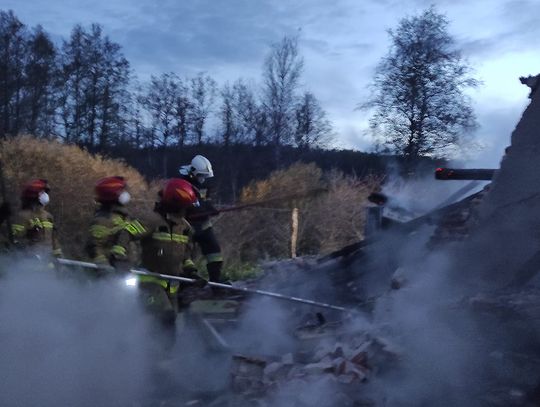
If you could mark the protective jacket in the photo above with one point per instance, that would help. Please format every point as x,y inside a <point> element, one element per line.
<point>199,217</point>
<point>166,247</point>
<point>110,235</point>
<point>33,228</point>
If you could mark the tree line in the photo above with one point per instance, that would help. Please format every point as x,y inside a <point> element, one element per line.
<point>83,91</point>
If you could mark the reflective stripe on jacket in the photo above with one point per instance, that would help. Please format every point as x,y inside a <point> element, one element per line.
<point>34,227</point>
<point>166,248</point>
<point>110,233</point>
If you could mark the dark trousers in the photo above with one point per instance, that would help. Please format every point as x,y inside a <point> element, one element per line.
<point>211,250</point>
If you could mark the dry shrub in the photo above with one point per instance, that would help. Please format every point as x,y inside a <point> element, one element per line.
<point>299,179</point>
<point>72,174</point>
<point>336,218</point>
<point>330,218</point>
<point>331,214</point>
<point>267,229</point>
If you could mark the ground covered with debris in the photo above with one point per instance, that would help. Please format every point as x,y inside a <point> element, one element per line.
<point>446,307</point>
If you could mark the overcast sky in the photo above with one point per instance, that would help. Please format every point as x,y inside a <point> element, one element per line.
<point>341,41</point>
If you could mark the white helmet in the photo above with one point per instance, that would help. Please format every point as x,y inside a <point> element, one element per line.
<point>200,166</point>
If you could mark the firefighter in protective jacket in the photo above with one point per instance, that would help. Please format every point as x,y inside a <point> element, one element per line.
<point>197,174</point>
<point>33,227</point>
<point>166,249</point>
<point>112,229</point>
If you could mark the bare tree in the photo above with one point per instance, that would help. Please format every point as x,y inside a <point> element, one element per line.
<point>160,101</point>
<point>73,77</point>
<point>183,106</point>
<point>419,105</point>
<point>95,78</point>
<point>312,128</point>
<point>13,37</point>
<point>247,113</point>
<point>261,125</point>
<point>114,95</point>
<point>137,123</point>
<point>41,73</point>
<point>229,125</point>
<point>282,71</point>
<point>27,75</point>
<point>203,93</point>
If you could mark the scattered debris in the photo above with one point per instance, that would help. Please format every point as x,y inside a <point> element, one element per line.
<point>345,364</point>
<point>247,375</point>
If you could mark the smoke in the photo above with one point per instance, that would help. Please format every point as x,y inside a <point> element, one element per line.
<point>459,342</point>
<point>265,329</point>
<point>64,342</point>
<point>453,353</point>
<point>424,193</point>
<point>320,391</point>
<point>443,358</point>
<point>67,342</point>
<point>66,339</point>
<point>441,362</point>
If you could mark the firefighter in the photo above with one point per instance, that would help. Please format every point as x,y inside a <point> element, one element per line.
<point>166,249</point>
<point>33,227</point>
<point>197,173</point>
<point>112,230</point>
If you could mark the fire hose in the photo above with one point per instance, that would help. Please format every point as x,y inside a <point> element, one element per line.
<point>248,205</point>
<point>143,272</point>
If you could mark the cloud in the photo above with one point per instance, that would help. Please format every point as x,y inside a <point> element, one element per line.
<point>341,42</point>
<point>498,123</point>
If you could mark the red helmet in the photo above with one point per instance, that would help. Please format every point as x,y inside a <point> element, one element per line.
<point>177,194</point>
<point>33,188</point>
<point>108,189</point>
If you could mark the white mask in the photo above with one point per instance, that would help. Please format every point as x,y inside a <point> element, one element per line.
<point>124,198</point>
<point>43,198</point>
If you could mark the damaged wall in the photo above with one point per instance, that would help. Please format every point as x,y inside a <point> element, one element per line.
<point>508,234</point>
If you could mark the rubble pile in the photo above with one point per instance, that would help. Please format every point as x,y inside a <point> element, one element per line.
<point>345,365</point>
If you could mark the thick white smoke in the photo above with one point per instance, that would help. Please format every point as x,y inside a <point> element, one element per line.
<point>441,358</point>
<point>64,342</point>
